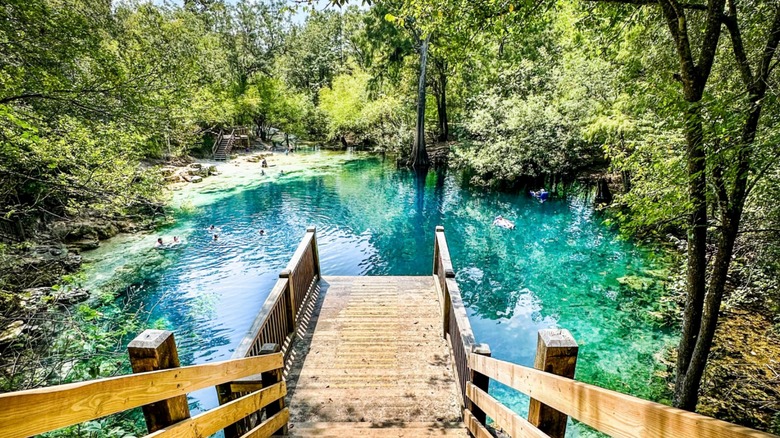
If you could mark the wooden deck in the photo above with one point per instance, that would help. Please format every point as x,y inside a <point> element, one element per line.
<point>371,361</point>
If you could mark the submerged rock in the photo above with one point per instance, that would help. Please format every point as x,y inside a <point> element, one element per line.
<point>38,297</point>
<point>196,179</point>
<point>636,282</point>
<point>85,244</point>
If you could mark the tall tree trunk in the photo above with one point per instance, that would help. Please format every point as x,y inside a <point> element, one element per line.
<point>419,157</point>
<point>731,206</point>
<point>441,104</point>
<point>697,253</point>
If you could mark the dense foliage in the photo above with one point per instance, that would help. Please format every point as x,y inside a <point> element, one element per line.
<point>675,103</point>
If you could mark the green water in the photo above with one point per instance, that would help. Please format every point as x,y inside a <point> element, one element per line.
<point>559,268</point>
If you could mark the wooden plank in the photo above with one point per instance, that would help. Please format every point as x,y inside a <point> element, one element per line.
<point>474,426</point>
<point>155,350</point>
<point>270,378</point>
<point>556,353</point>
<point>64,405</point>
<point>245,346</point>
<point>247,384</point>
<point>210,422</point>
<point>513,424</point>
<point>616,414</point>
<point>444,254</point>
<point>315,250</point>
<point>479,380</point>
<point>269,426</point>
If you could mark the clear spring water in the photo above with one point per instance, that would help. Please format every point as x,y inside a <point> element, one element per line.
<point>559,268</point>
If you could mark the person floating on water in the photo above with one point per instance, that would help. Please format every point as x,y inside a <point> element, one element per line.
<point>542,195</point>
<point>159,243</point>
<point>176,240</point>
<point>502,222</point>
<point>262,232</point>
<point>216,237</point>
<point>264,163</point>
<point>281,172</point>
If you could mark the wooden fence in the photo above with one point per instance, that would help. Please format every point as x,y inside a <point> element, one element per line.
<point>279,316</point>
<point>555,396</point>
<point>162,393</point>
<point>250,386</point>
<point>11,230</point>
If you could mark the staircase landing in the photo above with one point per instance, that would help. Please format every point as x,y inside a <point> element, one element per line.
<point>372,362</point>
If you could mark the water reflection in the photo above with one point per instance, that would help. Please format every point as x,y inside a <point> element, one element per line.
<point>558,268</point>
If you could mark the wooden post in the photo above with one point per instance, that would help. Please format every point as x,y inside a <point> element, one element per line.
<point>290,298</point>
<point>479,380</point>
<point>556,353</point>
<point>269,378</point>
<point>226,395</point>
<point>155,350</point>
<point>315,252</point>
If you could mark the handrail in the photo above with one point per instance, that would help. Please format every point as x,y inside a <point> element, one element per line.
<point>216,143</point>
<point>73,403</point>
<point>619,415</point>
<point>611,412</point>
<point>231,139</point>
<point>277,319</point>
<point>456,325</point>
<point>214,420</point>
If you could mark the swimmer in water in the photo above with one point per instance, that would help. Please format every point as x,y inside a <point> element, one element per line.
<point>159,243</point>
<point>262,232</point>
<point>216,237</point>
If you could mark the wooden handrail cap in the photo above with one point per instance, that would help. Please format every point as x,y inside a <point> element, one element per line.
<point>449,273</point>
<point>150,338</point>
<point>285,273</point>
<point>311,229</point>
<point>481,349</point>
<point>439,228</point>
<point>559,338</point>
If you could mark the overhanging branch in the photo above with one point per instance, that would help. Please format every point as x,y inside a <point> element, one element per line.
<point>694,6</point>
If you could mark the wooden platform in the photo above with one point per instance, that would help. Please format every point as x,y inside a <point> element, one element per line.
<point>371,361</point>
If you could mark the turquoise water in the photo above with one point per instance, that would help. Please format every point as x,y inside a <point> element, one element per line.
<point>559,268</point>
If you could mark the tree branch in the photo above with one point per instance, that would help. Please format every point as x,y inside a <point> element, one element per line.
<point>693,6</point>
<point>711,37</point>
<point>769,50</point>
<point>730,20</point>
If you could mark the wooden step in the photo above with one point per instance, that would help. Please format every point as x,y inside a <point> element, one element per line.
<point>370,430</point>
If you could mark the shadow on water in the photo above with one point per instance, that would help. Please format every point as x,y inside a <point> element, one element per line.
<point>559,268</point>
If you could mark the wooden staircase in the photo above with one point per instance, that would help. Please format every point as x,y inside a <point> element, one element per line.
<point>378,430</point>
<point>224,142</point>
<point>222,147</point>
<point>372,362</point>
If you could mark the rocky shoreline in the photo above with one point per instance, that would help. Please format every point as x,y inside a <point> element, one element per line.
<point>34,274</point>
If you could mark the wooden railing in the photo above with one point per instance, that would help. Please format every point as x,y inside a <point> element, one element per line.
<point>456,325</point>
<point>616,414</point>
<point>279,315</point>
<point>216,143</point>
<point>162,393</point>
<point>231,140</point>
<point>11,230</point>
<point>555,396</point>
